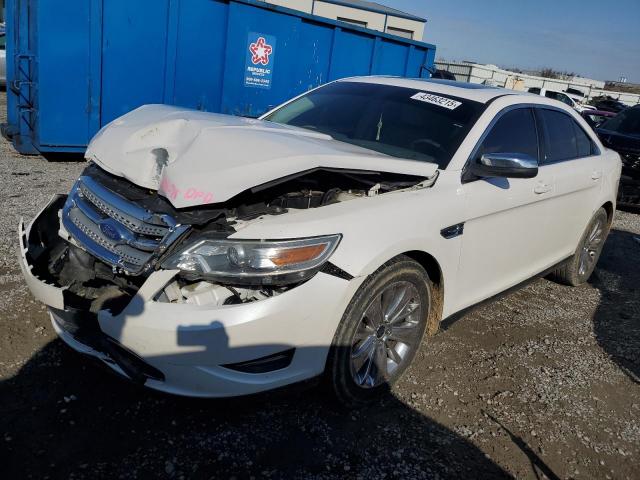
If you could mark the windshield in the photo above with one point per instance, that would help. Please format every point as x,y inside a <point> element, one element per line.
<point>401,122</point>
<point>626,122</point>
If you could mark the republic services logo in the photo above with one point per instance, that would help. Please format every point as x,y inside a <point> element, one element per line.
<point>260,52</point>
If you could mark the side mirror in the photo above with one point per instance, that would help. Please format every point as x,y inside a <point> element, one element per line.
<point>506,165</point>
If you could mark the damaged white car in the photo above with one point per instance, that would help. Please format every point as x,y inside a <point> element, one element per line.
<point>211,255</point>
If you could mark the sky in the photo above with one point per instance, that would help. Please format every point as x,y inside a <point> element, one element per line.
<point>594,38</point>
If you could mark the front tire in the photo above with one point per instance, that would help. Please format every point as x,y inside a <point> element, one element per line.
<point>380,332</point>
<point>581,265</point>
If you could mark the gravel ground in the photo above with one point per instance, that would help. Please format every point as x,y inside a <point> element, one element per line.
<point>543,382</point>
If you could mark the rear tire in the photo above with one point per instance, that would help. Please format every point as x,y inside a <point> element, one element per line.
<point>581,265</point>
<point>380,332</point>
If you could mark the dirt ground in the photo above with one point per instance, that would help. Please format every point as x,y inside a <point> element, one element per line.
<point>542,383</point>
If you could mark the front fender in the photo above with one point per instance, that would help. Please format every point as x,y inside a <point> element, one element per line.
<point>376,229</point>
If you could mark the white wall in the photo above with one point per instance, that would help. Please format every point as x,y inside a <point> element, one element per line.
<point>374,20</point>
<point>302,5</point>
<point>406,24</point>
<point>492,75</point>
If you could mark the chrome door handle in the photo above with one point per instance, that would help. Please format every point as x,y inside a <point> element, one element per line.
<point>542,188</point>
<point>596,175</point>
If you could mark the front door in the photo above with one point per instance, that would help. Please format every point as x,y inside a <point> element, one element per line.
<point>506,219</point>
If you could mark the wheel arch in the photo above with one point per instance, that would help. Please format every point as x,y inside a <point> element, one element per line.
<point>434,271</point>
<point>608,207</point>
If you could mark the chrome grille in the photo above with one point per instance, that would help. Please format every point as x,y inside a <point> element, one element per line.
<point>116,230</point>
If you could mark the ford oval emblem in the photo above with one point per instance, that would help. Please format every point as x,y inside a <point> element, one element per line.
<point>110,231</point>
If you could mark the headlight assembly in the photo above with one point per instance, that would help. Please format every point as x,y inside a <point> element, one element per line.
<point>254,262</point>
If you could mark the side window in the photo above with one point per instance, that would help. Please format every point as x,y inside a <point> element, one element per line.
<point>558,135</point>
<point>514,132</point>
<point>583,142</point>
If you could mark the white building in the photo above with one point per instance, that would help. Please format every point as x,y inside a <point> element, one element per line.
<point>363,14</point>
<point>498,77</point>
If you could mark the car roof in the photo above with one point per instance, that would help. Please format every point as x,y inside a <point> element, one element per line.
<point>555,91</point>
<point>463,90</point>
<point>470,91</point>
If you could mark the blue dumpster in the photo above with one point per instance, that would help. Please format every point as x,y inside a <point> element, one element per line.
<point>75,65</point>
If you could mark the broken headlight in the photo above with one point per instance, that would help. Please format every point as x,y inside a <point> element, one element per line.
<point>254,262</point>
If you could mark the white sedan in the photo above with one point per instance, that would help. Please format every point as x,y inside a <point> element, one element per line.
<point>569,98</point>
<point>210,255</point>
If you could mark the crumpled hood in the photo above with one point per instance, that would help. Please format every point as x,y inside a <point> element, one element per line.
<point>196,158</point>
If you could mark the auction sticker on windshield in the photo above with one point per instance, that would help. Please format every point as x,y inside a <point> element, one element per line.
<point>436,100</point>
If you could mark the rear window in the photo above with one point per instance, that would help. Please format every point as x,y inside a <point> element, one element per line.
<point>583,142</point>
<point>559,136</point>
<point>563,137</point>
<point>400,122</point>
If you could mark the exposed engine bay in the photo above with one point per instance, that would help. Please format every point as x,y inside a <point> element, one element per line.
<point>94,284</point>
<point>310,189</point>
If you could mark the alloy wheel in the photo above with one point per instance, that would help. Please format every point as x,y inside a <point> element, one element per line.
<point>387,334</point>
<point>591,248</point>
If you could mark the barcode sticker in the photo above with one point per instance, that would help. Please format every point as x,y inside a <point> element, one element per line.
<point>436,100</point>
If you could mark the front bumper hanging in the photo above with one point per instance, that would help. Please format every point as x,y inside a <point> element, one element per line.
<point>187,349</point>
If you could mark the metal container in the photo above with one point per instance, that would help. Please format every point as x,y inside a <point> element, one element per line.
<point>73,66</point>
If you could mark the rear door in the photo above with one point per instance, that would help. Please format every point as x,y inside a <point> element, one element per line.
<point>573,160</point>
<point>505,229</point>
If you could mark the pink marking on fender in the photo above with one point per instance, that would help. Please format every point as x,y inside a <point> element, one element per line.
<point>198,196</point>
<point>169,189</point>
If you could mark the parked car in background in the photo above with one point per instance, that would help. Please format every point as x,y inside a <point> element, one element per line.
<point>211,255</point>
<point>561,97</point>
<point>608,105</point>
<point>596,117</point>
<point>575,91</point>
<point>443,74</point>
<point>580,103</point>
<point>622,134</point>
